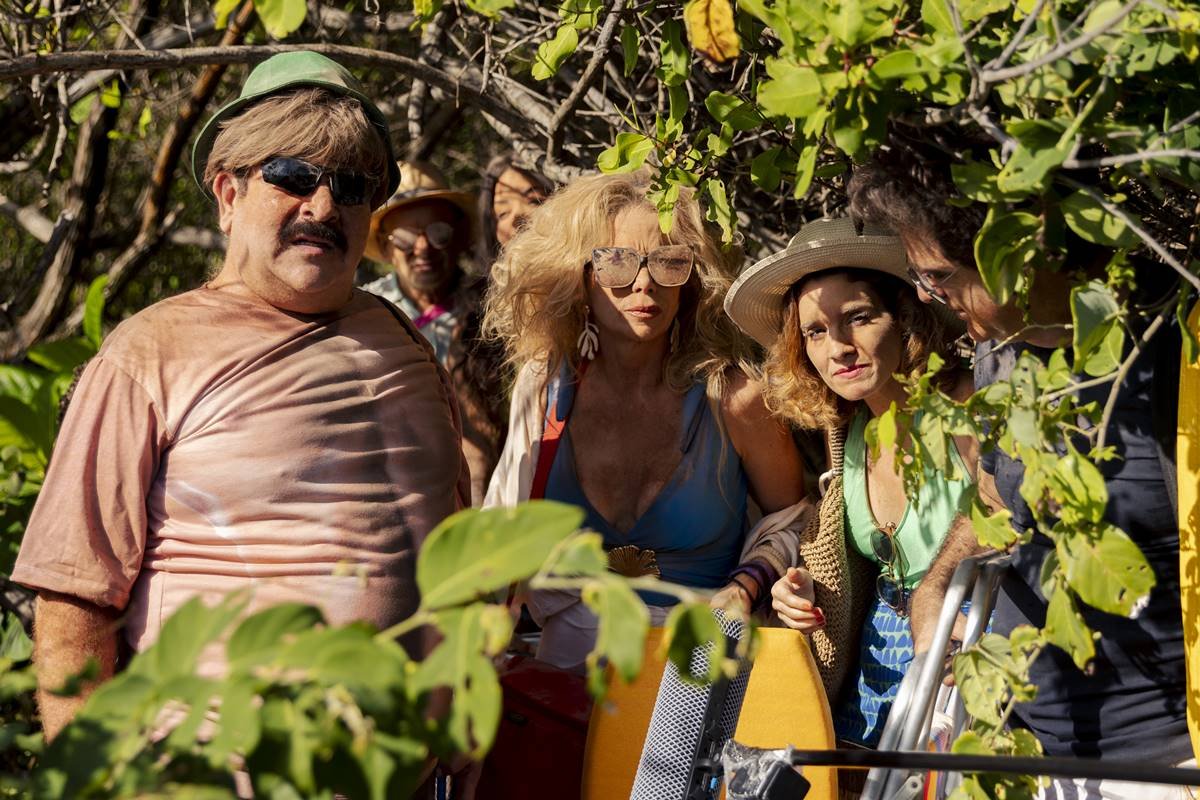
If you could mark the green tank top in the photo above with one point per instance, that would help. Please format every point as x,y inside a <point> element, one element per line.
<point>921,529</point>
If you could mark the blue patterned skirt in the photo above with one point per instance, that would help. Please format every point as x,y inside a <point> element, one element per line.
<point>884,653</point>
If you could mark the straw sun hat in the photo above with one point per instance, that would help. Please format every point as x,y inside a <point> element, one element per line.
<point>755,301</point>
<point>420,182</point>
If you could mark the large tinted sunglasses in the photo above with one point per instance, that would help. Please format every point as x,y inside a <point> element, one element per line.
<point>302,179</point>
<point>618,267</point>
<point>889,585</point>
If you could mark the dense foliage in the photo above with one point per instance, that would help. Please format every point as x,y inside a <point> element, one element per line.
<point>1089,109</point>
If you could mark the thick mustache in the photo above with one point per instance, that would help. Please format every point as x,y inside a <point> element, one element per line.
<point>317,230</point>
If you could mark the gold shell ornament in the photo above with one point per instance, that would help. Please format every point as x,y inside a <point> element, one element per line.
<point>633,562</point>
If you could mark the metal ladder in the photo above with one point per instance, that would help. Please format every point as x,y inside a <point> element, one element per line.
<point>908,722</point>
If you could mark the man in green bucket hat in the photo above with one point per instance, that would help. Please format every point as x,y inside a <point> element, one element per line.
<point>276,431</point>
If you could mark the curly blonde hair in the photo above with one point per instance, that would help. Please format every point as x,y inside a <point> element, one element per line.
<point>794,389</point>
<point>537,304</point>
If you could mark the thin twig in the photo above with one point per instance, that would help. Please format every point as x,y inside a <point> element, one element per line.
<point>1119,378</point>
<point>599,54</point>
<point>1150,241</point>
<point>1128,158</point>
<point>1061,51</point>
<point>1026,26</point>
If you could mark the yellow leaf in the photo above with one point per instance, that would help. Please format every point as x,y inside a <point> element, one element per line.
<point>710,29</point>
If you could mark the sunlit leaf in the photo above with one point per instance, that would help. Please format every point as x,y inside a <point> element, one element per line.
<point>1104,567</point>
<point>1066,629</point>
<point>281,17</point>
<point>552,54</point>
<point>710,29</point>
<point>627,154</point>
<point>623,622</point>
<point>473,553</point>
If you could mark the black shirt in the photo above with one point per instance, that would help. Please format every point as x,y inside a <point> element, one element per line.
<point>1133,705</point>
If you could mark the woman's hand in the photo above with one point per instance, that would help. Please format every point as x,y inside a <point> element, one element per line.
<point>734,597</point>
<point>792,598</point>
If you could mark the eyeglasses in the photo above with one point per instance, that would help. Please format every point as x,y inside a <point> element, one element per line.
<point>931,287</point>
<point>302,179</point>
<point>618,267</point>
<point>438,234</point>
<point>889,585</point>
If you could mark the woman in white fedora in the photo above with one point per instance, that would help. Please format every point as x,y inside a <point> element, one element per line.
<point>840,321</point>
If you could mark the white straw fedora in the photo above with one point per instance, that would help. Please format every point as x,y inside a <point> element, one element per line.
<point>755,301</point>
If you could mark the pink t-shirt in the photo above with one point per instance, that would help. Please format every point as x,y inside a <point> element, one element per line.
<point>217,443</point>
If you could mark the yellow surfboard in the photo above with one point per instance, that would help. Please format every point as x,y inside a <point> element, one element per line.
<point>1187,459</point>
<point>784,704</point>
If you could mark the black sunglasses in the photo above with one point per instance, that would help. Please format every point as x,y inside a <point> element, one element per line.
<point>889,585</point>
<point>301,178</point>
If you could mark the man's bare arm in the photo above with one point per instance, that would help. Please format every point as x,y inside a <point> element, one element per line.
<point>67,632</point>
<point>960,543</point>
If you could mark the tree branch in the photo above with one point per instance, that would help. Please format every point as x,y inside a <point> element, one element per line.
<point>40,64</point>
<point>1122,371</point>
<point>1128,158</point>
<point>1146,237</point>
<point>1061,51</point>
<point>555,133</point>
<point>155,220</point>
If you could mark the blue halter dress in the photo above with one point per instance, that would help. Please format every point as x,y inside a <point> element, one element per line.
<point>696,524</point>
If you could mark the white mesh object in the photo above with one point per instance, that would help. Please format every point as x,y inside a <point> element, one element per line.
<point>670,749</point>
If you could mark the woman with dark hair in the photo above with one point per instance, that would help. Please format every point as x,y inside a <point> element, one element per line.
<point>506,197</point>
<point>840,323</point>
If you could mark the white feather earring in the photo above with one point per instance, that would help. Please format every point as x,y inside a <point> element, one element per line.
<point>589,338</point>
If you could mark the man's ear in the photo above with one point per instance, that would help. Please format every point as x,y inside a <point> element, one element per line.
<point>225,189</point>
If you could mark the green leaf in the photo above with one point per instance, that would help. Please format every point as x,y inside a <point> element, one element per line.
<point>733,111</point>
<point>764,172</point>
<point>473,553</point>
<point>93,311</point>
<point>256,638</point>
<point>675,57</point>
<point>693,636</point>
<point>110,94</point>
<point>936,15</point>
<point>1104,567</point>
<point>981,677</point>
<point>804,169</point>
<point>1066,629</point>
<point>1191,342</point>
<point>1005,244</point>
<point>977,180</point>
<point>1097,335</point>
<point>1091,221</point>
<point>15,644</point>
<point>623,622</point>
<point>490,8</point>
<point>63,355</point>
<point>1027,169</point>
<point>281,17</point>
<point>718,210</point>
<point>630,42</point>
<point>974,10</point>
<point>238,726</point>
<point>897,64</point>
<point>184,636</point>
<point>552,54</point>
<point>222,9</point>
<point>582,554</point>
<point>463,662</point>
<point>627,155</point>
<point>793,91</point>
<point>846,22</point>
<point>970,743</point>
<point>993,530</point>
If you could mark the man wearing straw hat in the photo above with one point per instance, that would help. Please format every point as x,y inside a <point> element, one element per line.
<point>422,232</point>
<point>255,434</point>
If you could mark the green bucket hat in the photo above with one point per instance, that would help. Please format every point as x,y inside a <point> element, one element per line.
<point>288,71</point>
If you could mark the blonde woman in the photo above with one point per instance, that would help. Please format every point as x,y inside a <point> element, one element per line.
<point>840,321</point>
<point>630,403</point>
